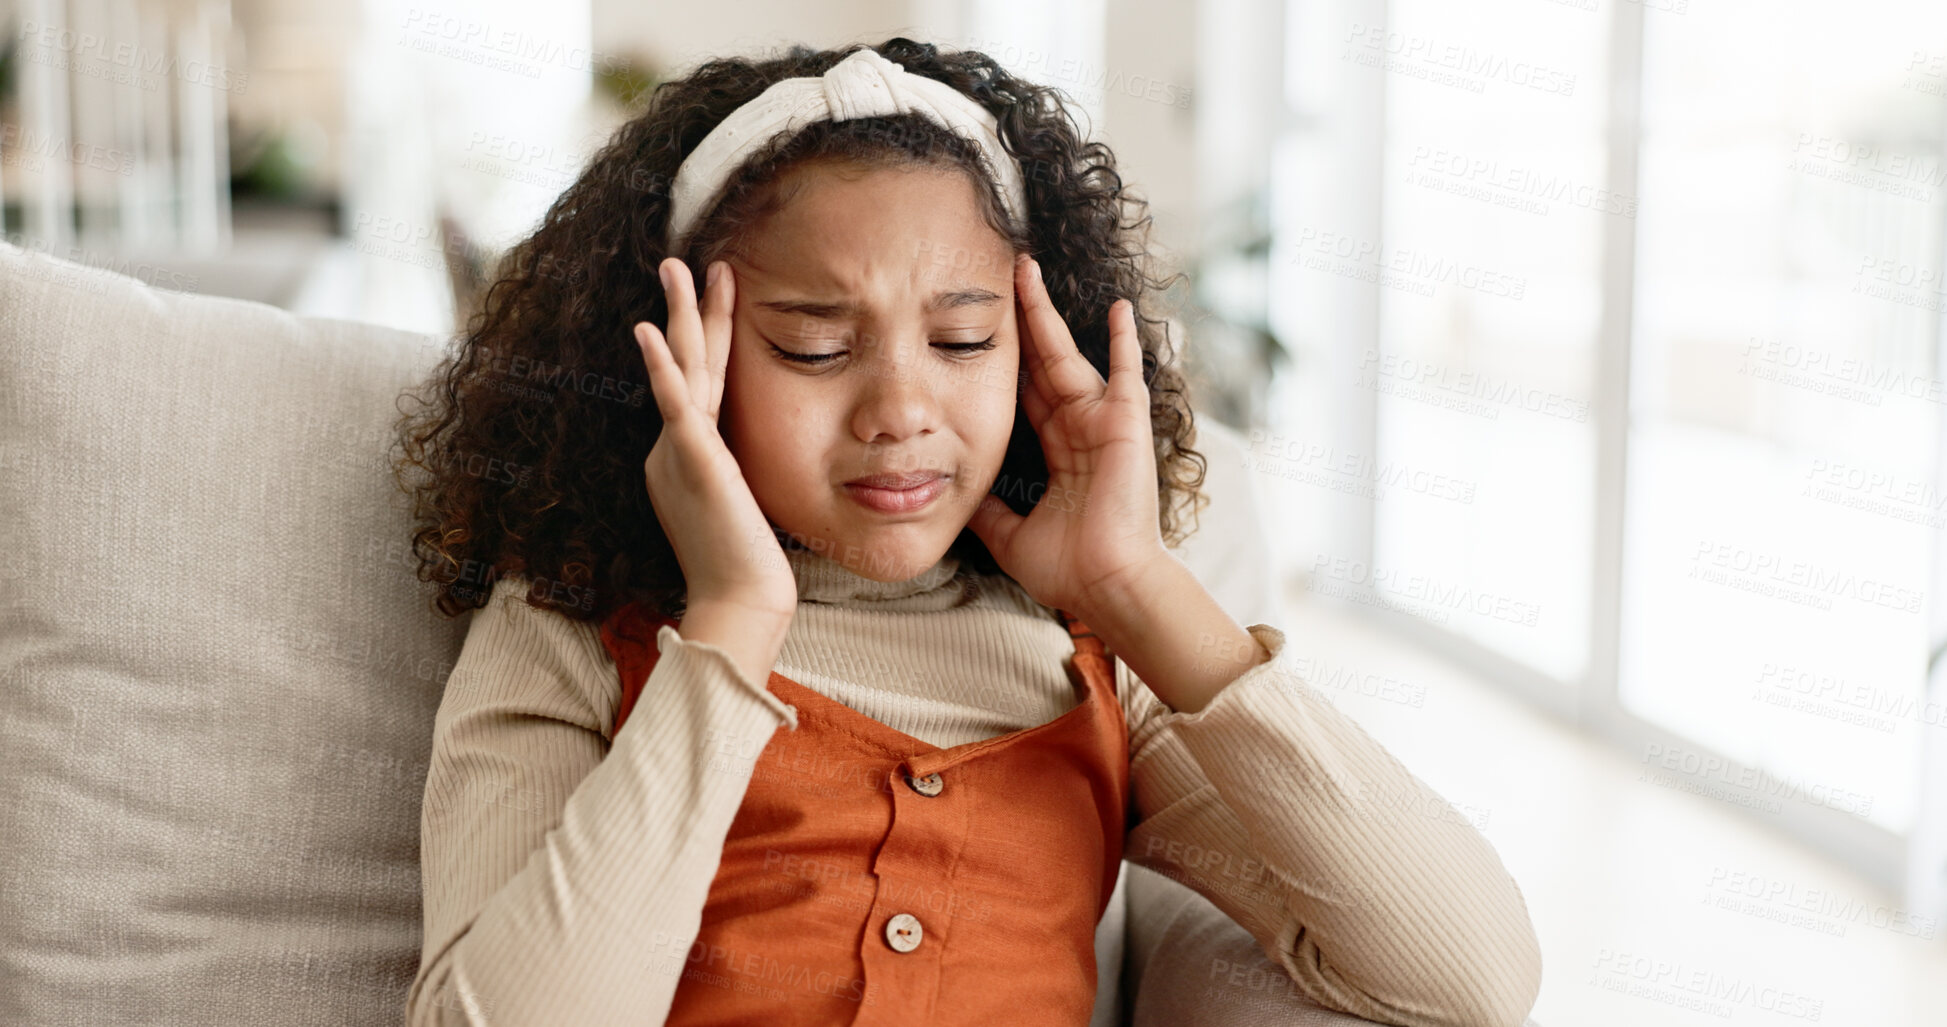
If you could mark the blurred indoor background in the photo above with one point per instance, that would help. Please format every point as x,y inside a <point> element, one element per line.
<point>1588,353</point>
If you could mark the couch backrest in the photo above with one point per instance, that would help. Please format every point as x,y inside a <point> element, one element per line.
<point>217,671</point>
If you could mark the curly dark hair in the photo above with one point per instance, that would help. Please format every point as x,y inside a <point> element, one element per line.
<point>526,453</point>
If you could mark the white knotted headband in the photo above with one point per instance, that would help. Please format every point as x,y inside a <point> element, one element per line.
<point>863,85</point>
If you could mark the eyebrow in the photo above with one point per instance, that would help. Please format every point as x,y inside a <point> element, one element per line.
<point>835,311</point>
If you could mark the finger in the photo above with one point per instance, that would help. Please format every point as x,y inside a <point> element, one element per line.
<point>719,301</point>
<point>1033,402</point>
<point>1064,375</point>
<point>665,377</point>
<point>1125,351</point>
<point>1035,406</point>
<point>685,333</point>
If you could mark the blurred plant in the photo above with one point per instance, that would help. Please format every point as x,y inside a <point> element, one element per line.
<point>1231,351</point>
<point>276,163</point>
<point>627,80</point>
<point>9,63</point>
<point>9,89</point>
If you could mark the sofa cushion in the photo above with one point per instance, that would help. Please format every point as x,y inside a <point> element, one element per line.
<point>217,671</point>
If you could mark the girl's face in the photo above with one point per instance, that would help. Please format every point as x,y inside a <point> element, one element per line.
<point>873,333</point>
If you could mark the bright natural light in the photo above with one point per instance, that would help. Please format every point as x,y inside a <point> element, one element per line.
<point>1550,422</point>
<point>1488,261</point>
<point>1785,393</point>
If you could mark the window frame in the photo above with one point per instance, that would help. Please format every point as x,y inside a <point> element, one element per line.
<point>1592,702</point>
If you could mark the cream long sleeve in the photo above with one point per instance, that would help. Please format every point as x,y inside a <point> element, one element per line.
<point>553,875</point>
<point>560,873</point>
<point>1369,889</point>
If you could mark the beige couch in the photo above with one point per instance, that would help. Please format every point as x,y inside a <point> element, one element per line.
<point>218,677</point>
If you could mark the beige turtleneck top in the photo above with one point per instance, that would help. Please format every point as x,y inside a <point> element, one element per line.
<point>558,857</point>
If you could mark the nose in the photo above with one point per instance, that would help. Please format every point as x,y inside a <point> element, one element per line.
<point>897,398</point>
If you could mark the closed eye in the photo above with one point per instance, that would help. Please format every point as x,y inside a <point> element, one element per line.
<point>968,347</point>
<point>804,358</point>
<point>825,358</point>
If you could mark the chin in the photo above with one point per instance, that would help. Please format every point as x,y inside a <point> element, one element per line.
<point>897,560</point>
<point>892,552</point>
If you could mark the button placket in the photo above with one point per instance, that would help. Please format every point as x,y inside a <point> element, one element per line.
<point>913,900</point>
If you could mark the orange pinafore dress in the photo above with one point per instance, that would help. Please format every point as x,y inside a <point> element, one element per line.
<point>870,878</point>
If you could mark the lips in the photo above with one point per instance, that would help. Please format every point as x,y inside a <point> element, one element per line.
<point>896,482</point>
<point>897,493</point>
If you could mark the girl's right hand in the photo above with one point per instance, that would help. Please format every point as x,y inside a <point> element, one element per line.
<point>729,554</point>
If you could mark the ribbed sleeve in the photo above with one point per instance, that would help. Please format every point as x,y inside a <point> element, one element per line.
<point>1377,896</point>
<point>564,880</point>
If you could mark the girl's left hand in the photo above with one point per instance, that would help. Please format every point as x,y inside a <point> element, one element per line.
<point>1095,529</point>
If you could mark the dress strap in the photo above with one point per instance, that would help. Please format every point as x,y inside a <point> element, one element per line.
<point>629,635</point>
<point>1089,650</point>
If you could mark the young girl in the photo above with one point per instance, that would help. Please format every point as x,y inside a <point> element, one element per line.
<point>829,655</point>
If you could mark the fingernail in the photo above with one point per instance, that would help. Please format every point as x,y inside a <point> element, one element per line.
<point>710,277</point>
<point>662,272</point>
<point>1036,266</point>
